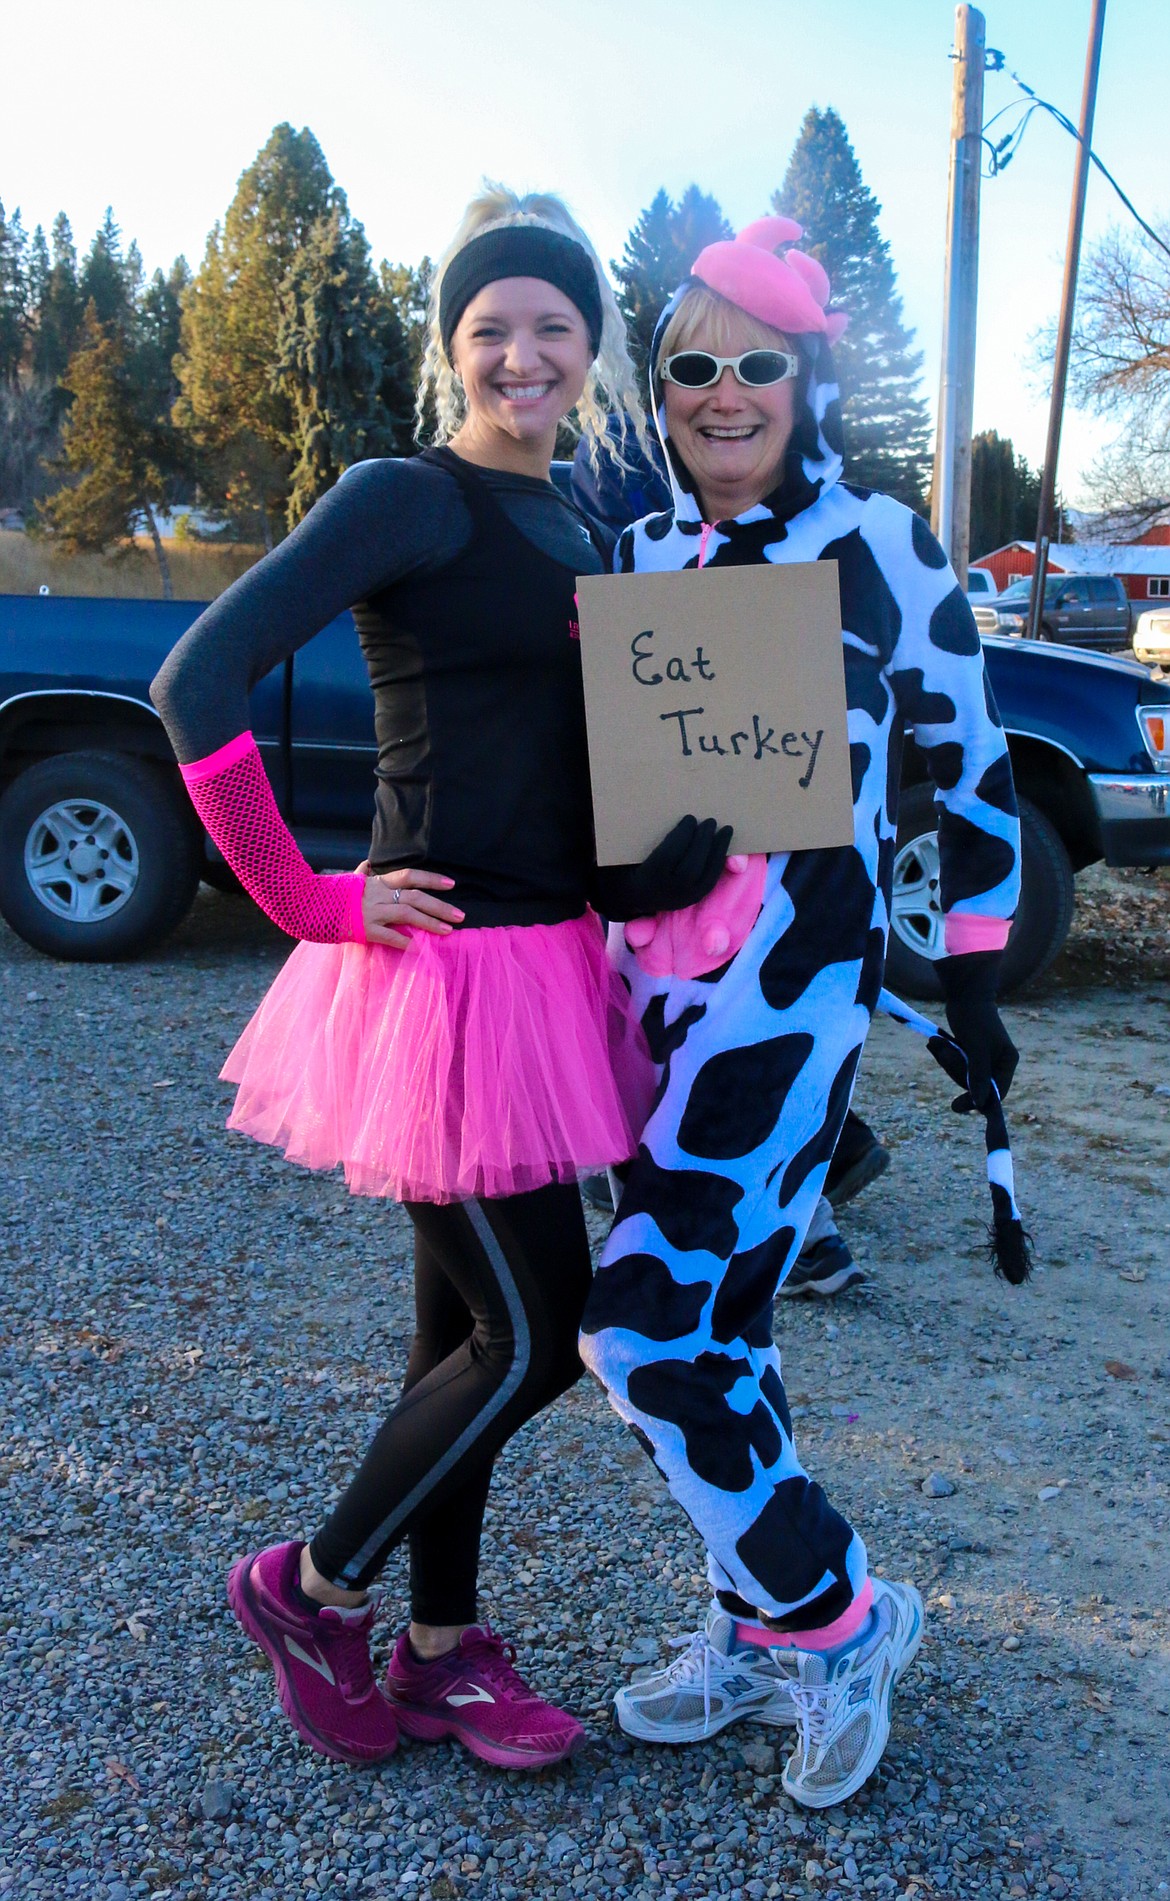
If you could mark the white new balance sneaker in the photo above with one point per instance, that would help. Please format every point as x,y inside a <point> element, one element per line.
<point>842,1702</point>
<point>716,1681</point>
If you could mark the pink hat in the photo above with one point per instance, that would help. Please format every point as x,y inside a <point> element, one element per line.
<point>791,292</point>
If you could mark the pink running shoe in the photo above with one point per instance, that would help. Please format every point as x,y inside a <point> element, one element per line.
<point>322,1663</point>
<point>475,1695</point>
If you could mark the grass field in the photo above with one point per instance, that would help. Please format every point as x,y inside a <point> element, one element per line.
<point>199,572</point>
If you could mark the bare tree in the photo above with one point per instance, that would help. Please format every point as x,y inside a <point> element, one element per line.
<point>1121,369</point>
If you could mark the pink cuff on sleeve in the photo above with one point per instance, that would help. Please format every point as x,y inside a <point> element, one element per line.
<point>357,922</point>
<point>963,932</point>
<point>219,761</point>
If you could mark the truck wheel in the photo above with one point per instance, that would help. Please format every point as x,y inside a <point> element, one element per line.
<point>1042,923</point>
<point>99,857</point>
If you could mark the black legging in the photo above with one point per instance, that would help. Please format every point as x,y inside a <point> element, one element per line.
<point>500,1287</point>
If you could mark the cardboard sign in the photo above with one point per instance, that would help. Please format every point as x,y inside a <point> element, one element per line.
<point>721,692</point>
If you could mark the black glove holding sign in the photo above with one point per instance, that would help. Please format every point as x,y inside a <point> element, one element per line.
<point>970,983</point>
<point>680,870</point>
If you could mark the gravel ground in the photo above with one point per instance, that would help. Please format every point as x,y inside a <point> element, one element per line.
<point>197,1340</point>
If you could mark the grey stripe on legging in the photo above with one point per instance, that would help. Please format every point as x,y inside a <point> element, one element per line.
<point>509,1385</point>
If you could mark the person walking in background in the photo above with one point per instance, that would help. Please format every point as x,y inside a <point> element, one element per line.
<point>760,1053</point>
<point>448,1030</point>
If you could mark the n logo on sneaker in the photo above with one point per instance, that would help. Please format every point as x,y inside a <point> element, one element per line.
<point>315,1662</point>
<point>742,1686</point>
<point>476,1694</point>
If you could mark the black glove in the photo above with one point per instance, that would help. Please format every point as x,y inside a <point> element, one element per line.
<point>969,984</point>
<point>680,870</point>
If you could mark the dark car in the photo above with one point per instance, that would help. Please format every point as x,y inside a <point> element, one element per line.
<point>101,853</point>
<point>1080,610</point>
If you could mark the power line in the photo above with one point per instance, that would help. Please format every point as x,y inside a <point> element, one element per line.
<point>1001,153</point>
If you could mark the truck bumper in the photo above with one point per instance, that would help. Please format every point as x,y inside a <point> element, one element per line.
<point>1134,813</point>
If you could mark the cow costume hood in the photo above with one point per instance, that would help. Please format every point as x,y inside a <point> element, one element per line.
<point>763,273</point>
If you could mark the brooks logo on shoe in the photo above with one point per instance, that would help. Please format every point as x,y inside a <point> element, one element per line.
<point>475,1694</point>
<point>315,1662</point>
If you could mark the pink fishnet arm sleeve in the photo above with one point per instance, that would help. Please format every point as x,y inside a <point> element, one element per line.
<point>230,791</point>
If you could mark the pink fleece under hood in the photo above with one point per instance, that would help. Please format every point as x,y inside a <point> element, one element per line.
<point>790,292</point>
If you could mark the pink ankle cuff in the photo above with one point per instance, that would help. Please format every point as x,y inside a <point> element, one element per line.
<point>827,1637</point>
<point>963,932</point>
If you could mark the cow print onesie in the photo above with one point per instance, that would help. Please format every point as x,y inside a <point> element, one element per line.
<point>758,1059</point>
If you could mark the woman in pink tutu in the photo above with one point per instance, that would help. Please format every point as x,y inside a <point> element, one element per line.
<point>448,1029</point>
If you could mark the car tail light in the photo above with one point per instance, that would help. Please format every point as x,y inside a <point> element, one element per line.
<point>1155,727</point>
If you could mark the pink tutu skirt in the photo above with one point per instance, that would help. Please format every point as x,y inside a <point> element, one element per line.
<point>486,1063</point>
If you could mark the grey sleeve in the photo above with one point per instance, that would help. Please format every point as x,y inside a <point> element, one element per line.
<point>382,521</point>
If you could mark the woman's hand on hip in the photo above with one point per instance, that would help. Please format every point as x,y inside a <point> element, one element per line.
<point>394,903</point>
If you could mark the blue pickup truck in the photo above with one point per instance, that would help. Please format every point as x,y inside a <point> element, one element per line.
<point>101,854</point>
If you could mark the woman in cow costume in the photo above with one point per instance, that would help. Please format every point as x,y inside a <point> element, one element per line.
<point>756,1004</point>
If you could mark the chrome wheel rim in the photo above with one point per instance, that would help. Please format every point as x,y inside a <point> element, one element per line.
<point>81,860</point>
<point>917,916</point>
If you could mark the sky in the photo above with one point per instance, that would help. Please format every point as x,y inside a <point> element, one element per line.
<point>156,110</point>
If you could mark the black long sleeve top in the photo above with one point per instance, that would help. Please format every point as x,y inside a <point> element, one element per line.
<point>462,583</point>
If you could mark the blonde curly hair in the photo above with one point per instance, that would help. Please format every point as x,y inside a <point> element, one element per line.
<point>611,387</point>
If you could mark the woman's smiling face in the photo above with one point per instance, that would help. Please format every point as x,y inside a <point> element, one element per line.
<point>732,439</point>
<point>521,351</point>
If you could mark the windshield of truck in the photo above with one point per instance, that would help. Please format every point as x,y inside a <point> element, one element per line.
<point>1022,590</point>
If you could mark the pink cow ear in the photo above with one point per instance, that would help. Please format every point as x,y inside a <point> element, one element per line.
<point>766,233</point>
<point>811,273</point>
<point>836,324</point>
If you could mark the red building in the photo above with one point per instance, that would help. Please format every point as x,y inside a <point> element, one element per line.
<point>1143,565</point>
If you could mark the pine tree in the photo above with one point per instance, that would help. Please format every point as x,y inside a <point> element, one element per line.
<point>158,330</point>
<point>39,267</point>
<point>1005,494</point>
<point>59,309</point>
<point>116,449</point>
<point>407,289</point>
<point>27,411</point>
<point>108,280</point>
<point>341,360</point>
<point>239,417</point>
<point>886,419</point>
<point>154,345</point>
<point>14,301</point>
<point>659,252</point>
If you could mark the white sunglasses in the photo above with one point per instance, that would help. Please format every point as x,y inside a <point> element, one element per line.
<point>755,369</point>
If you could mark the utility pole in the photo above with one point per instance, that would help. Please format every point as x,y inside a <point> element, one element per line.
<point>951,488</point>
<point>1068,299</point>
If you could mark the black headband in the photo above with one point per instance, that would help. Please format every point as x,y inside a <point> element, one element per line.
<point>520,250</point>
